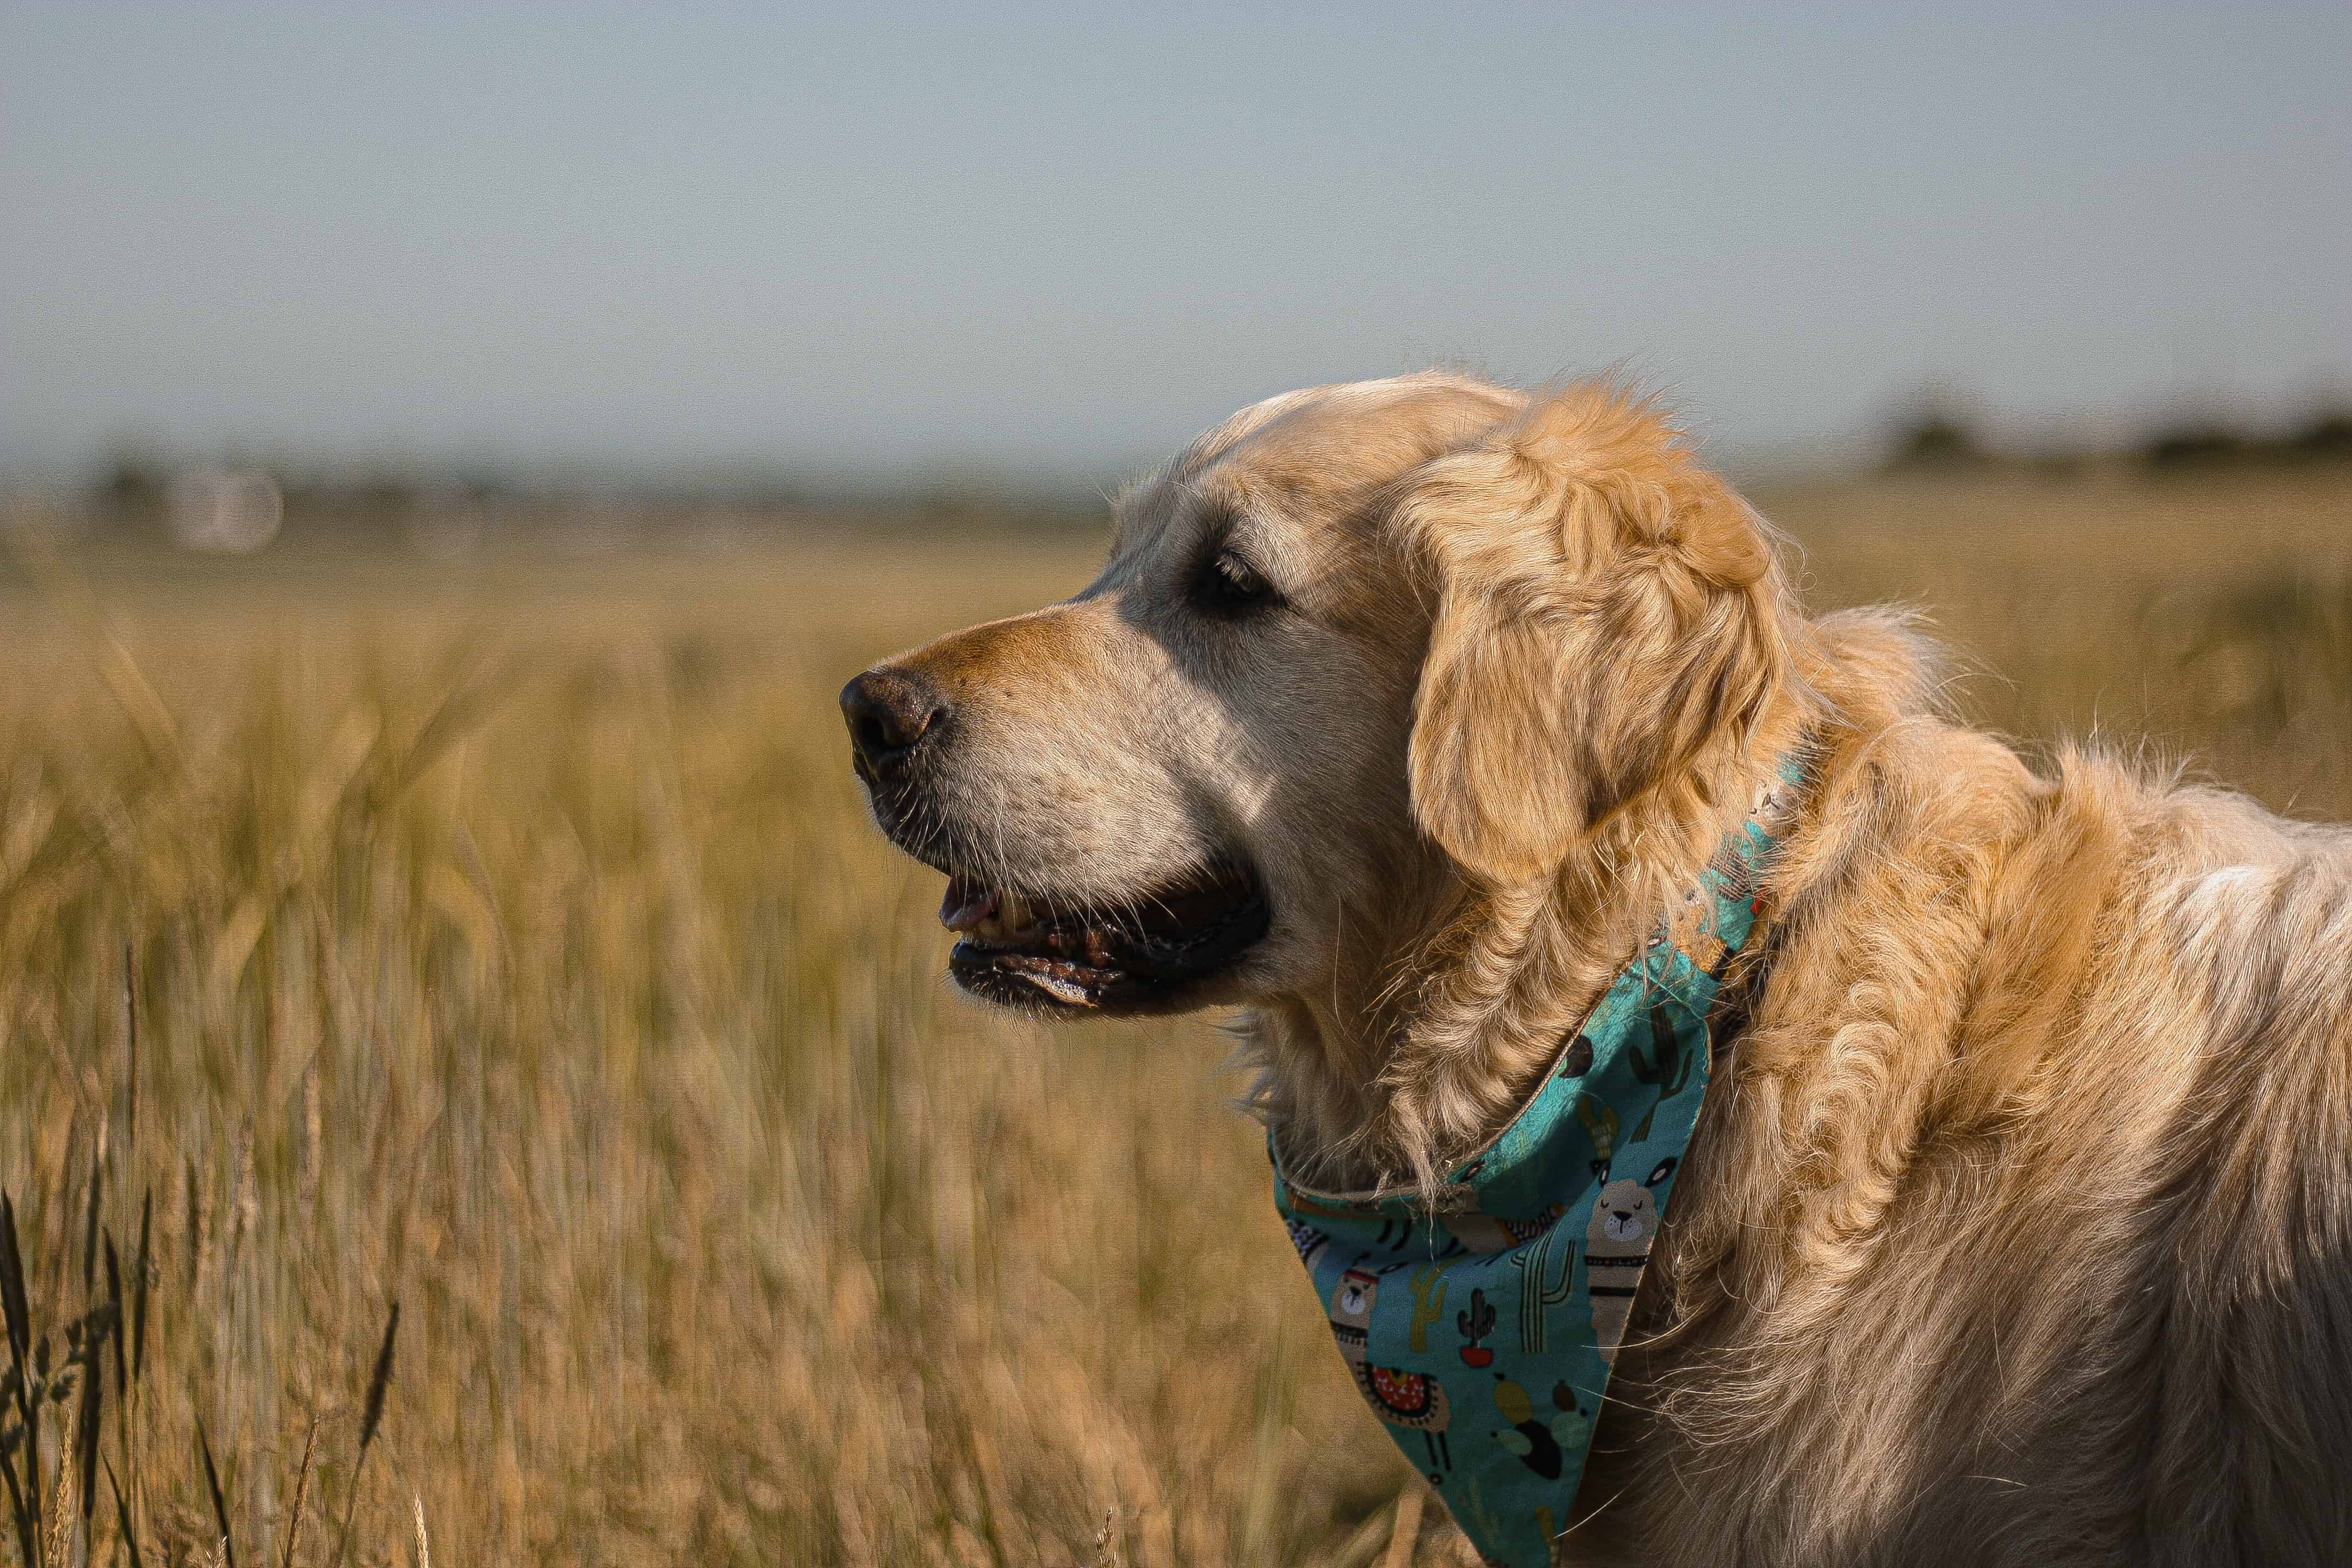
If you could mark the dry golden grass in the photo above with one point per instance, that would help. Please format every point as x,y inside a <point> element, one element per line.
<point>511,942</point>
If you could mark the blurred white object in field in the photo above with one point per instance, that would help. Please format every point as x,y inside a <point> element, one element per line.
<point>233,510</point>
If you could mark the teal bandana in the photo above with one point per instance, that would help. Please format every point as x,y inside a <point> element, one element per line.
<point>1496,1399</point>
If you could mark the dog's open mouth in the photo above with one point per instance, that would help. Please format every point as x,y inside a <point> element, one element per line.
<point>1027,950</point>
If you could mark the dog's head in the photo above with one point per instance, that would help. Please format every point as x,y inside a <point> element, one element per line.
<point>1356,650</point>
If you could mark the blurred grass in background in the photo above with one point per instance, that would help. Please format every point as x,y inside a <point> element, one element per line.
<point>509,940</point>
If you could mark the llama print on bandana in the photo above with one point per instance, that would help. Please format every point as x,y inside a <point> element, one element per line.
<point>1616,1250</point>
<point>1409,1399</point>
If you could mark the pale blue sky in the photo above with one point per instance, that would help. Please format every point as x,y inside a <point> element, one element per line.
<point>1056,245</point>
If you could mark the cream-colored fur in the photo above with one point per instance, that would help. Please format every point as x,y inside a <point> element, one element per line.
<point>2017,1226</point>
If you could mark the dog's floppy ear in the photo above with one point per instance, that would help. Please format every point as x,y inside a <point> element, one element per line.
<point>1605,607</point>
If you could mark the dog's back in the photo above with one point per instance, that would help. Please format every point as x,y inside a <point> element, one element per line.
<point>2022,1230</point>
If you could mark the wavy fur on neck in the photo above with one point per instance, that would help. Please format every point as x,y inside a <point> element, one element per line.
<point>1615,664</point>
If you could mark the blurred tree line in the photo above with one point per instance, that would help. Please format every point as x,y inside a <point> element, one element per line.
<point>137,497</point>
<point>1939,435</point>
<point>141,497</point>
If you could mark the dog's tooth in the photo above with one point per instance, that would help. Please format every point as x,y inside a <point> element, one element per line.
<point>1014,910</point>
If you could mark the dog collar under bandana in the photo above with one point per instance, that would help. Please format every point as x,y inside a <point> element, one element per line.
<point>1537,1243</point>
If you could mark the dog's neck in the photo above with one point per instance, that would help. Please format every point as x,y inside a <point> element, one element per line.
<point>1431,1032</point>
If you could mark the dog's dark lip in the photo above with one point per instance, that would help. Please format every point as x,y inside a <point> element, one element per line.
<point>1153,954</point>
<point>1145,955</point>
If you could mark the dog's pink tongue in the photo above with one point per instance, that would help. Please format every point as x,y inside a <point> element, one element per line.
<point>966,904</point>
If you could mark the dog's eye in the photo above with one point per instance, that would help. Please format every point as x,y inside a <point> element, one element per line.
<point>1230,585</point>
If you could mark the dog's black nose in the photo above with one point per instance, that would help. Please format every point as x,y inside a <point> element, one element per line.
<point>889,711</point>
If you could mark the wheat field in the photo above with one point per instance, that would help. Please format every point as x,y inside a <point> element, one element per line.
<point>508,940</point>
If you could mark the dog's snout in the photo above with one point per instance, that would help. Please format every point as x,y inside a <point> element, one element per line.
<point>889,712</point>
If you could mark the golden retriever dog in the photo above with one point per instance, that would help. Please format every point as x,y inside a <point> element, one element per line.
<point>2017,1226</point>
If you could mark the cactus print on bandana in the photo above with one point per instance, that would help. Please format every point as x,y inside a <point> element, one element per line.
<point>1481,1326</point>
